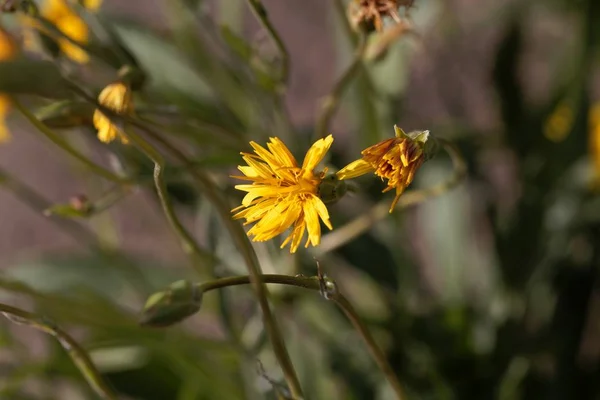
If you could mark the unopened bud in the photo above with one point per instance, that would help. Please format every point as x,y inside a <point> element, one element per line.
<point>133,76</point>
<point>178,302</point>
<point>79,207</point>
<point>332,189</point>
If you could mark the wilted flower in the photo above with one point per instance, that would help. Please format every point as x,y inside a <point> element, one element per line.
<point>115,97</point>
<point>594,129</point>
<point>396,159</point>
<point>283,194</point>
<point>8,50</point>
<point>70,24</point>
<point>369,14</point>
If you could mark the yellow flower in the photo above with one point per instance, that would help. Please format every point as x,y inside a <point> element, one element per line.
<point>396,159</point>
<point>282,193</point>
<point>70,23</point>
<point>558,125</point>
<point>8,50</point>
<point>115,97</point>
<point>594,135</point>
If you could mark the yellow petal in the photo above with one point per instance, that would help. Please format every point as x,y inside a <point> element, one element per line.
<point>315,154</point>
<point>92,5</point>
<point>355,169</point>
<point>282,153</point>
<point>322,210</point>
<point>56,9</point>
<point>296,236</point>
<point>272,161</point>
<point>312,224</point>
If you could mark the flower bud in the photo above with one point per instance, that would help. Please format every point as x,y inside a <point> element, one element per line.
<point>79,207</point>
<point>133,76</point>
<point>332,189</point>
<point>168,307</point>
<point>430,145</point>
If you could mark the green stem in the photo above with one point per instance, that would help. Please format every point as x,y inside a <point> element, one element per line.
<point>364,222</point>
<point>261,14</point>
<point>374,349</point>
<point>318,284</point>
<point>78,355</point>
<point>200,257</point>
<point>65,146</point>
<point>251,260</point>
<point>235,229</point>
<point>332,101</point>
<point>38,203</point>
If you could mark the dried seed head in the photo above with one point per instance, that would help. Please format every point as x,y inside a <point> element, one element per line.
<point>368,15</point>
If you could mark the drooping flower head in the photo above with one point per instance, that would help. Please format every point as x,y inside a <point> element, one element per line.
<point>395,160</point>
<point>8,50</point>
<point>283,194</point>
<point>70,24</point>
<point>115,97</point>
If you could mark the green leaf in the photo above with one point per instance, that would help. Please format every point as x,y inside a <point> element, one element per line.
<point>24,76</point>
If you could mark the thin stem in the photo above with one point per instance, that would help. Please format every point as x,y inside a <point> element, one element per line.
<point>318,284</point>
<point>235,230</point>
<point>251,260</point>
<point>261,14</point>
<point>363,223</point>
<point>374,349</point>
<point>189,244</point>
<point>332,101</point>
<point>78,355</point>
<point>38,203</point>
<point>65,146</point>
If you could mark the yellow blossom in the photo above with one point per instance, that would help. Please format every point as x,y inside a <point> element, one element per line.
<point>396,159</point>
<point>115,97</point>
<point>594,137</point>
<point>69,23</point>
<point>282,194</point>
<point>559,123</point>
<point>8,50</point>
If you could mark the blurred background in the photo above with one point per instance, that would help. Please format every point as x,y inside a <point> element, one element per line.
<point>489,291</point>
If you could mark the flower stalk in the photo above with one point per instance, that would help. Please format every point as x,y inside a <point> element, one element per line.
<point>261,14</point>
<point>332,101</point>
<point>328,288</point>
<point>78,355</point>
<point>66,147</point>
<point>249,255</point>
<point>201,259</point>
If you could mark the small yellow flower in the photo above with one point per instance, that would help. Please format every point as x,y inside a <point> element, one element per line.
<point>594,137</point>
<point>69,23</point>
<point>8,50</point>
<point>283,194</point>
<point>396,159</point>
<point>115,97</point>
<point>558,125</point>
